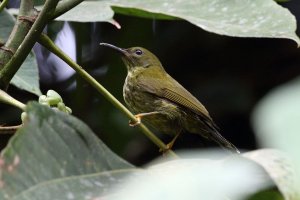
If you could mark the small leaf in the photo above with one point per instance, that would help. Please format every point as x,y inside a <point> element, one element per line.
<point>53,147</point>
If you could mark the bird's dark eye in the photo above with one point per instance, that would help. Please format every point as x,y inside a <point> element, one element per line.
<point>138,52</point>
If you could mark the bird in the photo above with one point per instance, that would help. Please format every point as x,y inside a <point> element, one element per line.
<point>163,103</point>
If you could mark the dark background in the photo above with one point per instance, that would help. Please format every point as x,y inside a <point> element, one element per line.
<point>228,75</point>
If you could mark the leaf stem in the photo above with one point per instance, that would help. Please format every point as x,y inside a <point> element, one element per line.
<point>6,98</point>
<point>48,43</point>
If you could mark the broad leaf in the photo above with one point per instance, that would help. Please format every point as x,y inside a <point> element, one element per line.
<point>276,123</point>
<point>242,18</point>
<point>89,11</point>
<point>280,169</point>
<point>56,156</point>
<point>199,175</point>
<point>53,147</point>
<point>92,186</point>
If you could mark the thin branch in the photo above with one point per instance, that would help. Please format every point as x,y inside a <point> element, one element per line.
<point>3,4</point>
<point>10,69</point>
<point>47,42</point>
<point>6,98</point>
<point>9,129</point>
<point>65,6</point>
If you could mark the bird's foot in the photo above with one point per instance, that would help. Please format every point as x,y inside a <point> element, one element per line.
<point>138,120</point>
<point>168,147</point>
<point>170,144</point>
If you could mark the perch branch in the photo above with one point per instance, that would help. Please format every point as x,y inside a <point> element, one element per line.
<point>49,44</point>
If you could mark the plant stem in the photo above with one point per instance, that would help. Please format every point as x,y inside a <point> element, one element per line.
<point>65,6</point>
<point>3,4</point>
<point>9,70</point>
<point>6,98</point>
<point>48,43</point>
<point>17,34</point>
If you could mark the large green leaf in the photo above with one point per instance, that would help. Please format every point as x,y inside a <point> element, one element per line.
<point>242,18</point>
<point>280,168</point>
<point>199,175</point>
<point>276,123</point>
<point>54,147</point>
<point>92,186</point>
<point>27,77</point>
<point>89,11</point>
<point>56,156</point>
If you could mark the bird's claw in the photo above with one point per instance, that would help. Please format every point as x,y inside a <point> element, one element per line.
<point>168,148</point>
<point>137,121</point>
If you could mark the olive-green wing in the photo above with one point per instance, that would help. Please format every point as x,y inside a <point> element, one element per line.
<point>182,97</point>
<point>170,89</point>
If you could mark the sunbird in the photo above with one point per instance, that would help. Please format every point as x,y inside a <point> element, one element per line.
<point>154,96</point>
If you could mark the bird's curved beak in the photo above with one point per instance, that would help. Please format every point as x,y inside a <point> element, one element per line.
<point>121,50</point>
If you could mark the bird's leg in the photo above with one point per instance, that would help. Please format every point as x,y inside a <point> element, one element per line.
<point>170,144</point>
<point>139,117</point>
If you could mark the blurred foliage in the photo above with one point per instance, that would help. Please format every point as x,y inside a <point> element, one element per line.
<point>229,75</point>
<point>75,164</point>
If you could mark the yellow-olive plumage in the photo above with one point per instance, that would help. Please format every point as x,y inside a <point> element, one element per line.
<point>153,94</point>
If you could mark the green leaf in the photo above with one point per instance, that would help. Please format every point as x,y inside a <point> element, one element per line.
<point>242,18</point>
<point>93,186</point>
<point>279,168</point>
<point>27,77</point>
<point>199,175</point>
<point>51,148</point>
<point>276,123</point>
<point>89,11</point>
<point>56,156</point>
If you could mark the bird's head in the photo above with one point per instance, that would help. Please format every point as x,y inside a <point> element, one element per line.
<point>136,57</point>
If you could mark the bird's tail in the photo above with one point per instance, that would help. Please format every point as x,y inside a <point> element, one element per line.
<point>225,144</point>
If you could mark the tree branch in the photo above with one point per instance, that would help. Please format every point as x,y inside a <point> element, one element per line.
<point>9,70</point>
<point>47,42</point>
